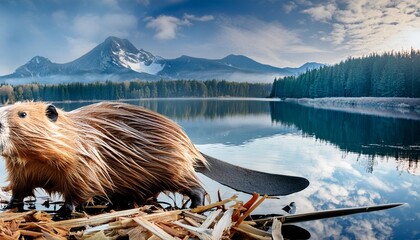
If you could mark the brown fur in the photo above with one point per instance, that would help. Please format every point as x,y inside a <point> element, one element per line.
<point>105,149</point>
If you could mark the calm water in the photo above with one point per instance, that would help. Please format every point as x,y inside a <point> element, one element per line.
<point>350,159</point>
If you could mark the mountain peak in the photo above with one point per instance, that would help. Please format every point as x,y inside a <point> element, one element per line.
<point>37,66</point>
<point>311,65</point>
<point>248,64</point>
<point>121,54</point>
<point>230,56</point>
<point>39,60</point>
<point>113,38</point>
<point>236,58</point>
<point>115,44</point>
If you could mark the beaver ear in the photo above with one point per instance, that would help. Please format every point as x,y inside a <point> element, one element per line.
<point>52,113</point>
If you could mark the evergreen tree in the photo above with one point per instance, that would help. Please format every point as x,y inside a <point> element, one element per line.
<point>134,89</point>
<point>393,74</point>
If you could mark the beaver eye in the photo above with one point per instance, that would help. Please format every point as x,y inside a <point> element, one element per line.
<point>22,114</point>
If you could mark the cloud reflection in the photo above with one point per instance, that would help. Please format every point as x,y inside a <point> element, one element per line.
<point>336,181</point>
<point>338,178</point>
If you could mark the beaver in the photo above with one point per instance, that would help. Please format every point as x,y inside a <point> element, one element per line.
<point>111,150</point>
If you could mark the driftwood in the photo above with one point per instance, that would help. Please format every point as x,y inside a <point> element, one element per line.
<point>213,221</point>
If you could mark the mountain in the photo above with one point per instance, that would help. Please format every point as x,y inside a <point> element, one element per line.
<point>118,59</point>
<point>37,67</point>
<point>115,56</point>
<point>232,68</point>
<point>247,64</point>
<point>305,67</point>
<point>186,67</point>
<point>114,59</point>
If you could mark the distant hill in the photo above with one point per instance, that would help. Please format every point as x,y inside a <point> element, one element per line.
<point>118,59</point>
<point>305,67</point>
<point>245,63</point>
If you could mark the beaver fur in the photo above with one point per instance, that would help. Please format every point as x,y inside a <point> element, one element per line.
<point>110,149</point>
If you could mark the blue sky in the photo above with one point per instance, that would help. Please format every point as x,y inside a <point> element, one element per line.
<point>279,33</point>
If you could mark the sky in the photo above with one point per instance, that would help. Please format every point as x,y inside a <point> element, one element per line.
<point>275,32</point>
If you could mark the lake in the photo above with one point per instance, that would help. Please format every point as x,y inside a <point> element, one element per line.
<point>350,159</point>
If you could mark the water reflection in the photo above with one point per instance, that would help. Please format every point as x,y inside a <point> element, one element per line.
<point>336,181</point>
<point>180,108</point>
<point>357,133</point>
<point>350,159</point>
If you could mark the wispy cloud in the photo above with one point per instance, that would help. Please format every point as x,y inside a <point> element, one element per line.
<point>101,26</point>
<point>321,13</point>
<point>203,18</point>
<point>305,3</point>
<point>364,26</point>
<point>88,30</point>
<point>263,41</point>
<point>288,7</point>
<point>79,46</point>
<point>167,27</point>
<point>111,3</point>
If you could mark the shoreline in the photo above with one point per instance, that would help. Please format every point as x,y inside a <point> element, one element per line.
<point>406,108</point>
<point>394,107</point>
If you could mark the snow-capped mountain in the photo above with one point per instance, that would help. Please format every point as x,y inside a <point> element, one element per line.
<point>37,67</point>
<point>114,59</point>
<point>116,55</point>
<point>118,59</point>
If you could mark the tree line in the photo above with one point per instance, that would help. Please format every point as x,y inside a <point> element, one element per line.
<point>191,109</point>
<point>391,74</point>
<point>131,90</point>
<point>357,133</point>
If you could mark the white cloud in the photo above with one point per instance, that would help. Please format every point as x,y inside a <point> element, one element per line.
<point>203,18</point>
<point>95,27</point>
<point>167,27</point>
<point>304,2</point>
<point>379,184</point>
<point>288,7</point>
<point>321,12</point>
<point>364,26</point>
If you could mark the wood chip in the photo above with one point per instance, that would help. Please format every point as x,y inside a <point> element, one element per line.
<point>153,228</point>
<point>94,220</point>
<point>201,209</point>
<point>145,222</point>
